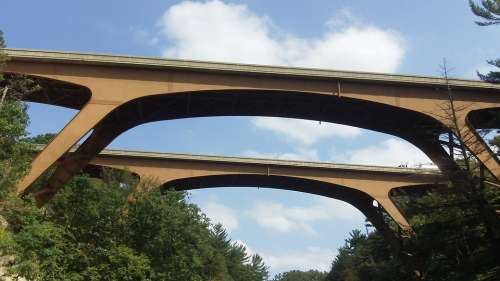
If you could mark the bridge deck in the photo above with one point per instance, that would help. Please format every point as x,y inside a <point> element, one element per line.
<point>267,162</point>
<point>162,63</point>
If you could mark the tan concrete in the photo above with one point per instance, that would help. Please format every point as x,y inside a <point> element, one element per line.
<point>374,181</point>
<point>129,91</point>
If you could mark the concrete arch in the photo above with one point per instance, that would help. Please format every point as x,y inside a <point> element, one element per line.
<point>116,81</point>
<point>215,175</point>
<point>356,198</point>
<point>376,182</point>
<point>357,185</point>
<point>400,122</point>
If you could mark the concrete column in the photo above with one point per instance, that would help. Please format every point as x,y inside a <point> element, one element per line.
<point>80,125</point>
<point>480,149</point>
<point>395,213</point>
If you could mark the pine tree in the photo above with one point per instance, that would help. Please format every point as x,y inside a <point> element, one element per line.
<point>496,143</point>
<point>489,11</point>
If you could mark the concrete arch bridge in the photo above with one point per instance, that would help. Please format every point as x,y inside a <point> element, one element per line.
<point>116,93</point>
<point>357,185</point>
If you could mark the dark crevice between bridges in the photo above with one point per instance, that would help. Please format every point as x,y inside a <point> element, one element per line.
<point>99,172</point>
<point>54,92</point>
<point>485,118</point>
<point>485,122</point>
<point>406,195</point>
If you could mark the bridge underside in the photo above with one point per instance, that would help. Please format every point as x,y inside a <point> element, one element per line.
<point>115,94</point>
<point>415,127</point>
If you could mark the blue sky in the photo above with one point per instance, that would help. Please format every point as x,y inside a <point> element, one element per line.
<point>292,230</point>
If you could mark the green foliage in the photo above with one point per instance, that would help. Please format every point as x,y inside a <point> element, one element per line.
<point>14,152</point>
<point>452,239</point>
<point>172,233</point>
<point>451,242</point>
<point>366,257</point>
<point>3,57</point>
<point>296,275</point>
<point>2,40</point>
<point>492,76</point>
<point>495,142</point>
<point>124,264</point>
<point>92,231</point>
<point>95,230</point>
<point>489,11</point>
<point>257,269</point>
<point>41,139</point>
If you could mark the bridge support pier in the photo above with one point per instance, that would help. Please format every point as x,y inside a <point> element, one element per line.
<point>76,129</point>
<point>480,149</point>
<point>102,135</point>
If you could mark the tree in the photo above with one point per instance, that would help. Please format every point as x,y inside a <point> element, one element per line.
<point>495,142</point>
<point>258,269</point>
<point>489,11</point>
<point>41,139</point>
<point>91,231</point>
<point>297,275</point>
<point>172,233</point>
<point>455,226</point>
<point>366,257</point>
<point>469,180</point>
<point>450,240</point>
<point>15,153</point>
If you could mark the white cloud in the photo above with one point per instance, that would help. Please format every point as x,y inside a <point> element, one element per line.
<point>301,154</point>
<point>353,48</point>
<point>219,213</point>
<point>305,132</point>
<point>312,258</point>
<point>391,152</point>
<point>214,30</point>
<point>277,217</point>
